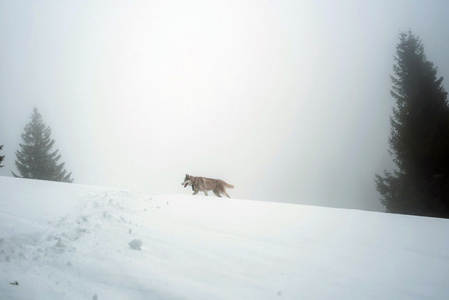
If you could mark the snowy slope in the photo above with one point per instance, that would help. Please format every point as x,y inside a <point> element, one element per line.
<point>65,241</point>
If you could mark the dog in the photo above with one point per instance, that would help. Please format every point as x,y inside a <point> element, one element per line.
<point>203,184</point>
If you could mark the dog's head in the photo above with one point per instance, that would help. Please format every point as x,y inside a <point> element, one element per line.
<point>187,181</point>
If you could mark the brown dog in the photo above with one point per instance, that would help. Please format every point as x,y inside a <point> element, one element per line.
<point>203,184</point>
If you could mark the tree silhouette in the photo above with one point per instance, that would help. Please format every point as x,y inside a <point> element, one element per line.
<point>1,157</point>
<point>419,138</point>
<point>35,158</point>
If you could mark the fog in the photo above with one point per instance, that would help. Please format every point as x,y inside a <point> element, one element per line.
<point>279,98</point>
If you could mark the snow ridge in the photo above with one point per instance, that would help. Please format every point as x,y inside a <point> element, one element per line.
<point>66,244</point>
<point>77,242</point>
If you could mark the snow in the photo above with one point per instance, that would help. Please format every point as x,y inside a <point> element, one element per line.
<point>66,241</point>
<point>135,244</point>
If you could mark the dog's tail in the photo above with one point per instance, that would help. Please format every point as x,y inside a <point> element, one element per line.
<point>230,186</point>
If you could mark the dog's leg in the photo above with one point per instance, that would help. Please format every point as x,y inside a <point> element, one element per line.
<point>226,194</point>
<point>195,192</point>
<point>205,193</point>
<point>217,193</point>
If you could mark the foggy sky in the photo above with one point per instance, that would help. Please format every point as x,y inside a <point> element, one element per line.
<point>286,100</point>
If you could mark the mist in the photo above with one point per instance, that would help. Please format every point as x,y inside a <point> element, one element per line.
<point>285,99</point>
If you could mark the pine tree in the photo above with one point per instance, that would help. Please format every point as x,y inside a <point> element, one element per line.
<point>35,159</point>
<point>419,138</point>
<point>1,157</point>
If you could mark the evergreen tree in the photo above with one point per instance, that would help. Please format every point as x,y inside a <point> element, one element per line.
<point>35,158</point>
<point>1,157</point>
<point>419,138</point>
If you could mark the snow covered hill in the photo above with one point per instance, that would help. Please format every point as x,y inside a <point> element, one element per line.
<point>66,241</point>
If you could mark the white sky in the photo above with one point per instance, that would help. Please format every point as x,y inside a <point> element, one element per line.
<point>283,98</point>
